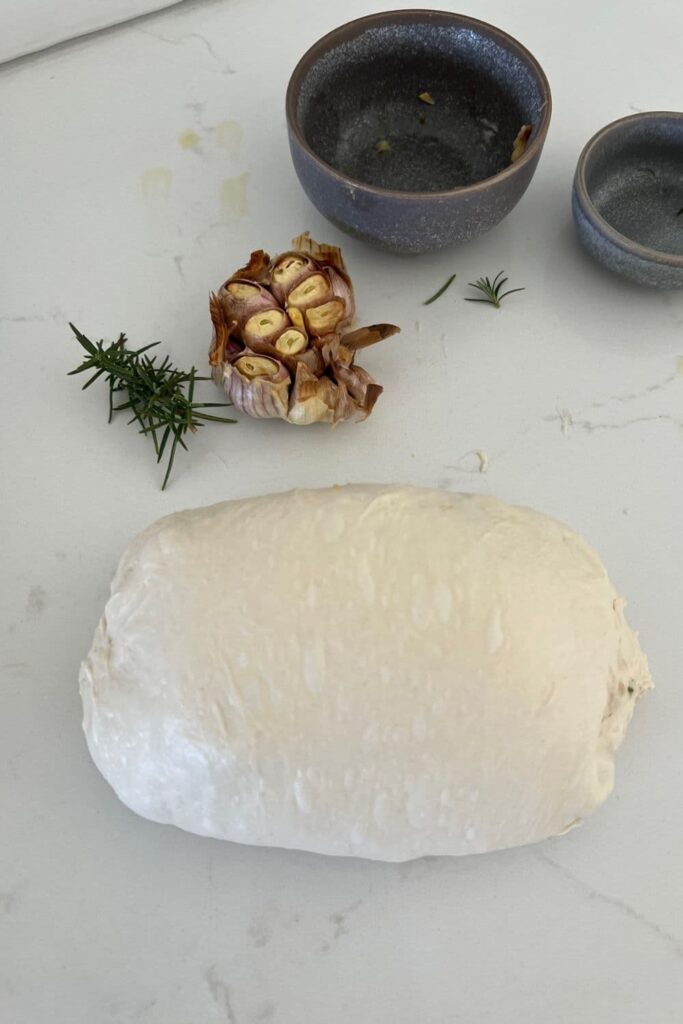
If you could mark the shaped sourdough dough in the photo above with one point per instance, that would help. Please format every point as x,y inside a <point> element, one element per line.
<point>381,672</point>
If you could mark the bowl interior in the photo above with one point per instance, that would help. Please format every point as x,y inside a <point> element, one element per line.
<point>634,178</point>
<point>359,106</point>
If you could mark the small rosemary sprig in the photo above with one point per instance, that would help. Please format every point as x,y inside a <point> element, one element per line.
<point>154,392</point>
<point>492,290</point>
<point>442,289</point>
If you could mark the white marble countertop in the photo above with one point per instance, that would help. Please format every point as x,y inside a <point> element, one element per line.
<point>139,166</point>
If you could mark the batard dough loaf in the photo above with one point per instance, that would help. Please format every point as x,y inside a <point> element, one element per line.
<point>383,672</point>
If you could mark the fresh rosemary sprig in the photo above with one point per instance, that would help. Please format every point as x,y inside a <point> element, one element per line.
<point>492,290</point>
<point>442,289</point>
<point>155,392</point>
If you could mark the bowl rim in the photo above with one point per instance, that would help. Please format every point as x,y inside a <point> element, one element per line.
<point>590,210</point>
<point>322,45</point>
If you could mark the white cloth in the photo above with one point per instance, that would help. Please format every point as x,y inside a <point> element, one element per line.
<point>30,25</point>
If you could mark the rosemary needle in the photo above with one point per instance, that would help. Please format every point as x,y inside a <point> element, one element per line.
<point>492,290</point>
<point>442,289</point>
<point>155,393</point>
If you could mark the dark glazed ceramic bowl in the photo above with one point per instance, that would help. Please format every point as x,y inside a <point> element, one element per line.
<point>628,198</point>
<point>405,173</point>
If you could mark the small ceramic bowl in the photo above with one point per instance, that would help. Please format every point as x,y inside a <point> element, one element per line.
<point>628,198</point>
<point>402,127</point>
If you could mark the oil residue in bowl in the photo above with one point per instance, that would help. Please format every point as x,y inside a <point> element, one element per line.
<point>372,123</point>
<point>417,161</point>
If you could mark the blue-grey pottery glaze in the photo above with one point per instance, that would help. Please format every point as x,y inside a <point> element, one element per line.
<point>402,172</point>
<point>628,198</point>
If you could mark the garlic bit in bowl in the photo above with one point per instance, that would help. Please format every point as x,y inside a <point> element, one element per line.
<point>282,340</point>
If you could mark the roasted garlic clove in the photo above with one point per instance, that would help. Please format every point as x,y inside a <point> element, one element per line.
<point>313,290</point>
<point>297,318</point>
<point>291,342</point>
<point>252,366</point>
<point>325,318</point>
<point>264,327</point>
<point>242,300</point>
<point>281,345</point>
<point>258,386</point>
<point>288,270</point>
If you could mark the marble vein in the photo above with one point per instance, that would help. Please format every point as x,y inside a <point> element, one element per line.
<point>220,993</point>
<point>633,395</point>
<point>673,942</point>
<point>590,427</point>
<point>178,260</point>
<point>567,420</point>
<point>225,68</point>
<point>339,920</point>
<point>8,901</point>
<point>37,318</point>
